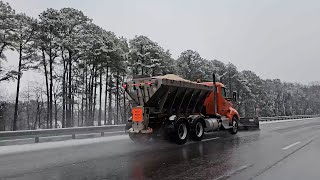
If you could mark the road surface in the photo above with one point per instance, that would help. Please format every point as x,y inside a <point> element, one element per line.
<point>280,150</point>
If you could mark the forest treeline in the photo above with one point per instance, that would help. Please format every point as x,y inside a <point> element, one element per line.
<point>84,66</point>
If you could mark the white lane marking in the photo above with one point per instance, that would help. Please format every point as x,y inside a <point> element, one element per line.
<point>204,140</point>
<point>232,172</point>
<point>291,145</point>
<point>288,120</point>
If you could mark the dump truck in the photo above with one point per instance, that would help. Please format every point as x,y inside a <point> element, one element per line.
<point>178,109</point>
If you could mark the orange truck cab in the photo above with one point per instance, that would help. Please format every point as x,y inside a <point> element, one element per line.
<point>224,106</point>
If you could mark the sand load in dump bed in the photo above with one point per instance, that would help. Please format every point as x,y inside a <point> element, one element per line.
<point>168,94</point>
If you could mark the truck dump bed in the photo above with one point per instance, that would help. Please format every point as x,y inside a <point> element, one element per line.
<point>168,94</point>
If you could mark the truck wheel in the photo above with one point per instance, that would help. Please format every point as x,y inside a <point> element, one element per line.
<point>139,138</point>
<point>181,133</point>
<point>197,131</point>
<point>235,126</point>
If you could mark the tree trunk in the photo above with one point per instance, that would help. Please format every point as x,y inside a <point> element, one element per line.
<point>14,127</point>
<point>100,97</point>
<point>68,123</point>
<point>124,104</point>
<point>37,114</point>
<point>91,97</point>
<point>283,105</point>
<point>89,94</point>
<point>28,109</point>
<point>40,113</point>
<point>78,115</point>
<point>94,96</point>
<point>47,84</point>
<point>55,113</point>
<point>105,98</point>
<point>64,92</point>
<point>82,96</point>
<point>86,94</point>
<point>110,118</point>
<point>2,120</point>
<point>72,111</point>
<point>120,110</point>
<point>51,85</point>
<point>142,61</point>
<point>117,97</point>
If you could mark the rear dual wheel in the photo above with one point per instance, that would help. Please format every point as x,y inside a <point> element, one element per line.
<point>197,130</point>
<point>181,132</point>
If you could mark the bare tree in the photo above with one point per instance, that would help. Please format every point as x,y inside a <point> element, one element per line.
<point>24,34</point>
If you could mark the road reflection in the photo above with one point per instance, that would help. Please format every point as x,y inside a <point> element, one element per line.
<point>196,159</point>
<point>161,160</point>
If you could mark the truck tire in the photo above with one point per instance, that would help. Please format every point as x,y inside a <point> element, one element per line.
<point>235,125</point>
<point>181,133</point>
<point>197,130</point>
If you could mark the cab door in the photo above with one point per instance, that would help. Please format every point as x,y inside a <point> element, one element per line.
<point>224,105</point>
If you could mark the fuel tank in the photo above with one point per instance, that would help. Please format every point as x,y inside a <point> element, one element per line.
<point>212,124</point>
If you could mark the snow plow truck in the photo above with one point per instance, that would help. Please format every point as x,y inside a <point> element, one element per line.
<point>179,109</point>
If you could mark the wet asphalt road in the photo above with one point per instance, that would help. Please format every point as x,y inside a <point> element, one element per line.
<point>284,150</point>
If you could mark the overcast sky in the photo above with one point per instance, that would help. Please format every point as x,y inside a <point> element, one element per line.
<point>274,38</point>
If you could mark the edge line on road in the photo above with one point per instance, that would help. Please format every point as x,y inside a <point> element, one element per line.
<point>235,171</point>
<point>285,157</point>
<point>204,140</point>
<point>291,145</point>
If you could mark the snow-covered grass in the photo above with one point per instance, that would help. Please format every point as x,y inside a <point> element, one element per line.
<point>6,150</point>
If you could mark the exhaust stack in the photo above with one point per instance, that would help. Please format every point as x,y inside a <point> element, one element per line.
<point>215,104</point>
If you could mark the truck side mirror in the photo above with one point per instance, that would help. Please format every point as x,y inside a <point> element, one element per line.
<point>234,96</point>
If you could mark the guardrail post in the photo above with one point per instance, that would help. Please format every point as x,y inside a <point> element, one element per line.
<point>73,136</point>
<point>36,140</point>
<point>102,133</point>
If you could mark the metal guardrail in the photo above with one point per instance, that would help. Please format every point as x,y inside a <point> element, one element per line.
<point>277,118</point>
<point>36,134</point>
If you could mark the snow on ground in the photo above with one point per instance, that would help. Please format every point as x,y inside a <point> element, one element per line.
<point>6,150</point>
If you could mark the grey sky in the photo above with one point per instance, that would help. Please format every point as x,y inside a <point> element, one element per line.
<point>275,39</point>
